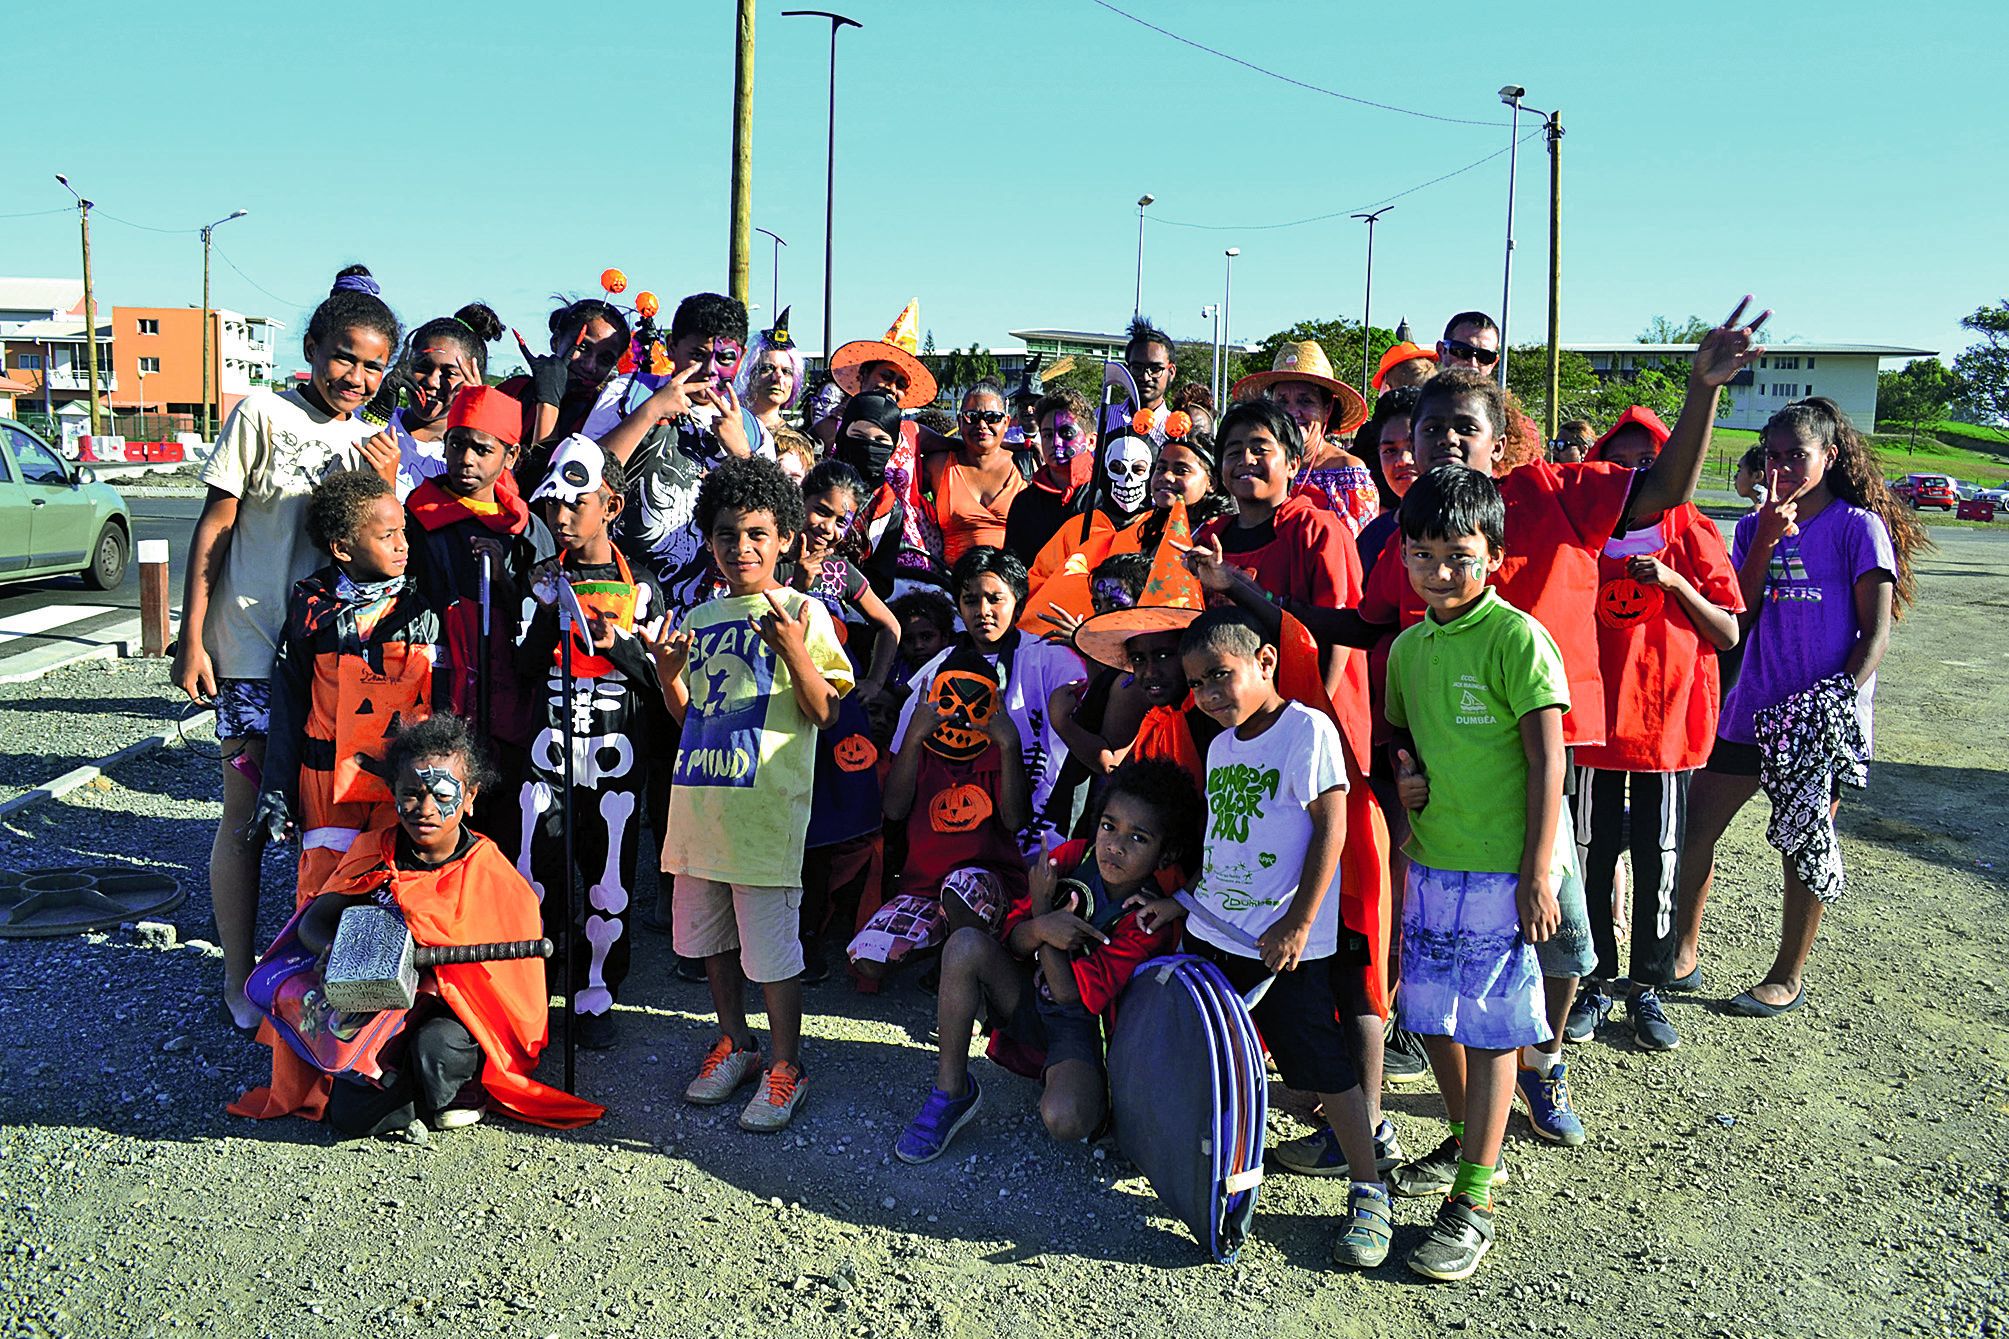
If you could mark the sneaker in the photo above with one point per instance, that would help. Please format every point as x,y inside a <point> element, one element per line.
<point>781,1091</point>
<point>596,1032</point>
<point>691,969</point>
<point>456,1118</point>
<point>927,1136</point>
<point>1587,1015</point>
<point>1458,1240</point>
<point>1387,1150</point>
<point>1315,1154</point>
<point>1369,1226</point>
<point>1433,1173</point>
<point>1548,1102</point>
<point>1650,1027</point>
<point>815,967</point>
<point>1403,1059</point>
<point>724,1070</point>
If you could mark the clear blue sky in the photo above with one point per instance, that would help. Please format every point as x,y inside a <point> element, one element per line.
<point>1842,160</point>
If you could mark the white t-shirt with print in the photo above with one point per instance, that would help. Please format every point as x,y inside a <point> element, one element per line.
<point>1258,831</point>
<point>273,449</point>
<point>418,460</point>
<point>1037,669</point>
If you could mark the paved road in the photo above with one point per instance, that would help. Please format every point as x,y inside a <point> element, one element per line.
<point>36,615</point>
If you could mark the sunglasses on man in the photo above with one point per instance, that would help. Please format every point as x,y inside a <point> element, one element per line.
<point>990,416</point>
<point>1458,348</point>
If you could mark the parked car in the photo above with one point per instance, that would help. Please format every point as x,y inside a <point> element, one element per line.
<point>1927,490</point>
<point>55,517</point>
<point>1965,491</point>
<point>1999,495</point>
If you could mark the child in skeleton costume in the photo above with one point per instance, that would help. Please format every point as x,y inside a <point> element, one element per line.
<point>617,721</point>
<point>363,655</point>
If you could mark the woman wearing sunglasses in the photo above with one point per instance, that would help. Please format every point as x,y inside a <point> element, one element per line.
<point>971,488</point>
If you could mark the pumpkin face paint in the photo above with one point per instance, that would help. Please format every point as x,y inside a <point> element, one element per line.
<point>1623,602</point>
<point>967,701</point>
<point>960,808</point>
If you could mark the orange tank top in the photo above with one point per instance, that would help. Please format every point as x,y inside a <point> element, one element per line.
<point>965,520</point>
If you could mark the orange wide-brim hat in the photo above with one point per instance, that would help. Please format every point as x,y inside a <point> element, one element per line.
<point>1306,361</point>
<point>898,348</point>
<point>1171,599</point>
<point>1397,355</point>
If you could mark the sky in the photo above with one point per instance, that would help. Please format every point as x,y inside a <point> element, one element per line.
<point>1840,160</point>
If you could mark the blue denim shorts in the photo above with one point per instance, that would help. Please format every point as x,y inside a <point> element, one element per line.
<point>1570,951</point>
<point>1467,971</point>
<point>243,708</point>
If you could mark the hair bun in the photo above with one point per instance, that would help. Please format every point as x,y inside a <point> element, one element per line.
<point>482,320</point>
<point>355,279</point>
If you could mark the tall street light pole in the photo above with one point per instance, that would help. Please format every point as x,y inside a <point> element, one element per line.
<point>1137,304</point>
<point>1227,316</point>
<point>90,308</point>
<point>774,294</point>
<point>830,161</point>
<point>1213,310</point>
<point>206,231</point>
<point>1367,302</point>
<point>1511,95</point>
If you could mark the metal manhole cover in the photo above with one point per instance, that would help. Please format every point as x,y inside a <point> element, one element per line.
<point>35,903</point>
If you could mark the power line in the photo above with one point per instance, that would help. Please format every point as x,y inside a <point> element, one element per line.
<point>1297,83</point>
<point>288,302</point>
<point>1337,213</point>
<point>143,227</point>
<point>38,213</point>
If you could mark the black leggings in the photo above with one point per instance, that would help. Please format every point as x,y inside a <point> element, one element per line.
<point>1659,825</point>
<point>437,1058</point>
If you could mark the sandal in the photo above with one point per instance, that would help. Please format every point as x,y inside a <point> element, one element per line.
<point>1746,1005</point>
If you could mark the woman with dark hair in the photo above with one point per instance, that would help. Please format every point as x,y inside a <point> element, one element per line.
<point>250,545</point>
<point>971,487</point>
<point>574,383</point>
<point>441,356</point>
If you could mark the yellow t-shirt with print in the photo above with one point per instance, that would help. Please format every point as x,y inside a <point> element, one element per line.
<point>739,796</point>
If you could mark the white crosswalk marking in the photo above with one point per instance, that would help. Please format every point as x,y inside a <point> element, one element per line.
<point>47,619</point>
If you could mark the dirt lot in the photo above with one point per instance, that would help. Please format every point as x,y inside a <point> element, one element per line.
<point>1836,1172</point>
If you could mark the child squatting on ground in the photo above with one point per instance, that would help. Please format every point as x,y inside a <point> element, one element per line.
<point>1068,950</point>
<point>751,676</point>
<point>1476,695</point>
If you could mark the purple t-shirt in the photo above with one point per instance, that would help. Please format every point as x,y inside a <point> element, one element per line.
<point>1806,624</point>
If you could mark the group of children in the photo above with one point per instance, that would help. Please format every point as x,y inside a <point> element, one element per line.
<point>1180,691</point>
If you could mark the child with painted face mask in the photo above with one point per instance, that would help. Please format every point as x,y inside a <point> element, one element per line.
<point>618,723</point>
<point>1067,949</point>
<point>1067,443</point>
<point>1095,718</point>
<point>990,589</point>
<point>441,356</point>
<point>364,649</point>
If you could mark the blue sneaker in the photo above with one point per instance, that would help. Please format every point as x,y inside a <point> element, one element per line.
<point>1548,1100</point>
<point>1315,1154</point>
<point>1650,1027</point>
<point>927,1136</point>
<point>1590,1012</point>
<point>1367,1229</point>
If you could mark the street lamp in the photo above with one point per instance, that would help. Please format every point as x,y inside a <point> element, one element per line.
<point>774,294</point>
<point>209,228</point>
<point>1511,95</point>
<point>1137,304</point>
<point>1367,302</point>
<point>830,160</point>
<point>1213,310</point>
<point>1227,315</point>
<point>90,307</point>
<point>140,371</point>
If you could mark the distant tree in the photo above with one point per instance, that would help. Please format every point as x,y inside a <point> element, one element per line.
<point>1528,379</point>
<point>1661,330</point>
<point>1339,337</point>
<point>1983,370</point>
<point>1920,392</point>
<point>928,342</point>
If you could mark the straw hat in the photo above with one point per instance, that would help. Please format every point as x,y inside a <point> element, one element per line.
<point>1172,599</point>
<point>1306,361</point>
<point>1398,354</point>
<point>899,348</point>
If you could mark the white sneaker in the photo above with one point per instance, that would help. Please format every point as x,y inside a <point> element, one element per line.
<point>724,1071</point>
<point>456,1118</point>
<point>782,1088</point>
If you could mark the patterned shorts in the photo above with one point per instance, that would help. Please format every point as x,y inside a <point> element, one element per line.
<point>912,922</point>
<point>243,708</point>
<point>1467,973</point>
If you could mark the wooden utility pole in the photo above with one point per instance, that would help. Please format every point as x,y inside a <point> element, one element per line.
<point>741,245</point>
<point>90,323</point>
<point>1555,271</point>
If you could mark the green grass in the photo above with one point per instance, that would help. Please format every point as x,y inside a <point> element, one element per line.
<point>1931,457</point>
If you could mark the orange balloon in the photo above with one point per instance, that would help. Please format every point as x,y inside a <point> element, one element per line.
<point>613,281</point>
<point>647,306</point>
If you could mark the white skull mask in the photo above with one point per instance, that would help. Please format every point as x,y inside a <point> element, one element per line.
<point>1129,466</point>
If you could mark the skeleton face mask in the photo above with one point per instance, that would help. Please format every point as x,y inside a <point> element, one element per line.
<point>1129,465</point>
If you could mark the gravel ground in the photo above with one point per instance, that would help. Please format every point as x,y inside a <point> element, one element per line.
<point>1836,1172</point>
<point>79,714</point>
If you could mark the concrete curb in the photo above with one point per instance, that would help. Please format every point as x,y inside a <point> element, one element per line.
<point>117,642</point>
<point>79,776</point>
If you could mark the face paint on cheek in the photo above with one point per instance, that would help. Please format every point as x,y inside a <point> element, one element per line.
<point>1064,443</point>
<point>1108,593</point>
<point>1473,568</point>
<point>444,787</point>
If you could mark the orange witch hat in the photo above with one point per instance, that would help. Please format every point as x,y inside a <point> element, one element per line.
<point>1172,598</point>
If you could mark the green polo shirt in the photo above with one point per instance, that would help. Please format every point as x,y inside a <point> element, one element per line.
<point>1460,690</point>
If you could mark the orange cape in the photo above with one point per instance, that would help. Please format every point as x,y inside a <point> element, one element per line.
<point>1060,574</point>
<point>477,899</point>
